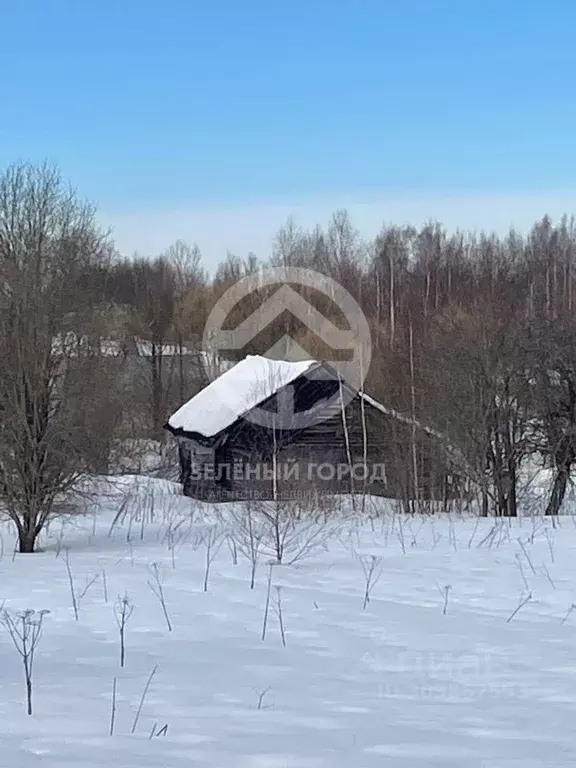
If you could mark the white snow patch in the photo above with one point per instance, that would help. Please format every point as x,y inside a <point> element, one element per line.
<point>411,681</point>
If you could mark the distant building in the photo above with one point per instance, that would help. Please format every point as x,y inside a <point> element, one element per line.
<point>138,369</point>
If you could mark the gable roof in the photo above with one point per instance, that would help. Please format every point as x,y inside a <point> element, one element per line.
<point>252,381</point>
<point>235,392</point>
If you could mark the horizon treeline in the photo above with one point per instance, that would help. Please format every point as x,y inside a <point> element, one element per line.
<point>472,334</point>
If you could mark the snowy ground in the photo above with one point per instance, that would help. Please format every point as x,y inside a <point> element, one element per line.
<point>433,673</point>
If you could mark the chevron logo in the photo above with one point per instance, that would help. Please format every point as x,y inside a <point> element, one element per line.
<point>355,340</point>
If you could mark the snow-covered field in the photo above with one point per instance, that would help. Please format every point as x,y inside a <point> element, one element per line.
<point>434,671</point>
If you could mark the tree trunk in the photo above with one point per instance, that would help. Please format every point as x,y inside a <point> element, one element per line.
<point>512,499</point>
<point>485,503</point>
<point>558,489</point>
<point>157,421</point>
<point>26,540</point>
<point>181,370</point>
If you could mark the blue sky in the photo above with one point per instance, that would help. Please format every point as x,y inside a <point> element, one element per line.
<point>156,107</point>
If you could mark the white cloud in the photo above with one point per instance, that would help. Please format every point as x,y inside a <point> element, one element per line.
<point>252,227</point>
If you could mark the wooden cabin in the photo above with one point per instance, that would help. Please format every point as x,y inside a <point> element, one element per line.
<point>353,443</point>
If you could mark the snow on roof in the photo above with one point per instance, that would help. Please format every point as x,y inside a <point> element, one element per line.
<point>235,392</point>
<point>399,416</point>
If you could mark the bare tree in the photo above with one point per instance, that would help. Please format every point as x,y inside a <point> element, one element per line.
<point>123,611</point>
<point>49,246</point>
<point>248,534</point>
<point>25,629</point>
<point>190,302</point>
<point>157,587</point>
<point>292,530</point>
<point>478,370</point>
<point>554,355</point>
<point>154,297</point>
<point>212,538</point>
<point>372,569</point>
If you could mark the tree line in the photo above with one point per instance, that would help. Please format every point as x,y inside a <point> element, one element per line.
<point>473,334</point>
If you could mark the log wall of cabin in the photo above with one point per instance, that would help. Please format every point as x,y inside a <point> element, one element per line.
<point>388,441</point>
